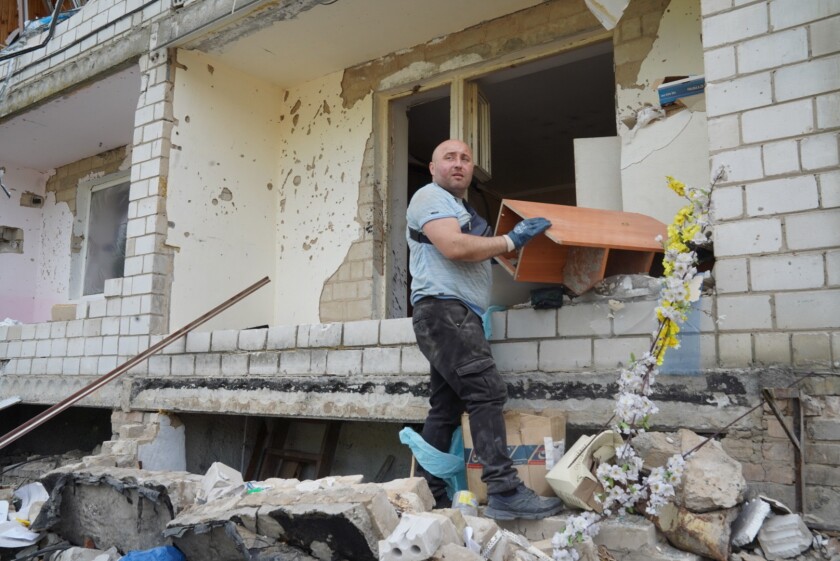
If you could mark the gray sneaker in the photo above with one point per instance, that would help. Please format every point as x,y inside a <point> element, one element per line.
<point>522,504</point>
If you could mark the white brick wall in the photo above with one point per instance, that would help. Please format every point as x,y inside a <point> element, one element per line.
<point>778,121</point>
<point>808,78</point>
<point>740,313</point>
<point>772,348</point>
<point>808,310</point>
<point>787,272</point>
<point>720,64</point>
<point>727,202</point>
<point>735,25</point>
<point>737,95</point>
<point>780,157</point>
<point>787,13</point>
<point>748,237</point>
<point>813,230</point>
<point>819,151</point>
<point>724,132</point>
<point>773,50</point>
<point>782,195</point>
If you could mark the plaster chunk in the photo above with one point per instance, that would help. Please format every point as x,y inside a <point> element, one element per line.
<point>705,534</point>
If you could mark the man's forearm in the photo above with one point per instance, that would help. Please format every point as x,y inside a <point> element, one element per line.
<point>465,247</point>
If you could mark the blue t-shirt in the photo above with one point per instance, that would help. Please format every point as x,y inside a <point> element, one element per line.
<point>432,273</point>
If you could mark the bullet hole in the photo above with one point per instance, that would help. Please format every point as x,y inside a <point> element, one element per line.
<point>296,107</point>
<point>186,234</point>
<point>215,201</point>
<point>226,194</point>
<point>210,68</point>
<point>170,224</point>
<point>282,205</point>
<point>269,186</point>
<point>326,107</point>
<point>241,155</point>
<point>286,95</point>
<point>296,180</point>
<point>186,118</point>
<point>329,121</point>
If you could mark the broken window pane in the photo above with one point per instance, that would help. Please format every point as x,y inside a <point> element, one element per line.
<point>107,222</point>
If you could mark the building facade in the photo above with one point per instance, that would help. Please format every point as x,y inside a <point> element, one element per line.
<point>162,155</point>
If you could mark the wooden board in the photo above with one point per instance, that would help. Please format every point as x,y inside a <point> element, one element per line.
<point>583,245</point>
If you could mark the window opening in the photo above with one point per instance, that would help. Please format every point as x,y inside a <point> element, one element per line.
<point>538,110</point>
<point>106,236</point>
<point>11,239</point>
<point>523,121</point>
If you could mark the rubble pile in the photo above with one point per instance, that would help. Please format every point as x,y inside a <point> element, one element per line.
<point>89,512</point>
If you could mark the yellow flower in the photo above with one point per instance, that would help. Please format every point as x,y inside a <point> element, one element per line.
<point>677,187</point>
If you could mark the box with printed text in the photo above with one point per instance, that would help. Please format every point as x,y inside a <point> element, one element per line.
<point>535,442</point>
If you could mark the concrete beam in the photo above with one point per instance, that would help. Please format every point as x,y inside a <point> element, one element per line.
<point>714,398</point>
<point>108,58</point>
<point>210,24</point>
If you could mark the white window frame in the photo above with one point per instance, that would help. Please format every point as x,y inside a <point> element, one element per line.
<point>81,224</point>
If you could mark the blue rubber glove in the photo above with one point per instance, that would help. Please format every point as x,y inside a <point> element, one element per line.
<point>527,229</point>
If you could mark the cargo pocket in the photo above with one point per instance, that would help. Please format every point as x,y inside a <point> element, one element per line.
<point>481,381</point>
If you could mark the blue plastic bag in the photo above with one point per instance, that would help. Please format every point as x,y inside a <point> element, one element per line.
<point>449,467</point>
<point>165,553</point>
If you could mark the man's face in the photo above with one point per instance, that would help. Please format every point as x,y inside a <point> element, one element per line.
<point>452,167</point>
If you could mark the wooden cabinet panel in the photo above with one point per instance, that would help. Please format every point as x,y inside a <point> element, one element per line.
<point>583,245</point>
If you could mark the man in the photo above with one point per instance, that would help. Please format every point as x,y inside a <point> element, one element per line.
<point>451,249</point>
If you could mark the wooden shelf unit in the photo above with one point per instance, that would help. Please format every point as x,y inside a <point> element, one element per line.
<point>583,245</point>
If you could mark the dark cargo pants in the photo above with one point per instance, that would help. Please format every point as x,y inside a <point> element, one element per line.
<point>463,378</point>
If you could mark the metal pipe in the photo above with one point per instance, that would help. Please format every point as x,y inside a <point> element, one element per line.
<point>53,23</point>
<point>45,416</point>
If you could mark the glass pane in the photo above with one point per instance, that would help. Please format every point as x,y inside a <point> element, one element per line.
<point>107,222</point>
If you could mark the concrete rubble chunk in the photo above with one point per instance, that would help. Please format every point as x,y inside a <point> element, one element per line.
<point>745,556</point>
<point>418,537</point>
<point>656,447</point>
<point>749,521</point>
<point>706,534</point>
<point>86,554</point>
<point>326,523</point>
<point>783,537</point>
<point>412,492</point>
<point>115,507</point>
<point>483,529</point>
<point>712,480</point>
<point>455,552</point>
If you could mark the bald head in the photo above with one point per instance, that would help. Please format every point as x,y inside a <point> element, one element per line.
<point>452,167</point>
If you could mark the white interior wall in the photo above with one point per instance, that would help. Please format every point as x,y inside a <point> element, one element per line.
<point>322,145</point>
<point>677,145</point>
<point>20,297</point>
<point>222,191</point>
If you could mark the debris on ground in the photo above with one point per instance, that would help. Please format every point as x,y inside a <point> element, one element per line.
<point>91,512</point>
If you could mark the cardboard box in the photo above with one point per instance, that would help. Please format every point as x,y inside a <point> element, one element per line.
<point>572,478</point>
<point>526,438</point>
<point>674,89</point>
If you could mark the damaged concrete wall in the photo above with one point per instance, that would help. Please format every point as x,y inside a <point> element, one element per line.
<point>19,271</point>
<point>221,196</point>
<point>53,234</point>
<point>655,39</point>
<point>322,146</point>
